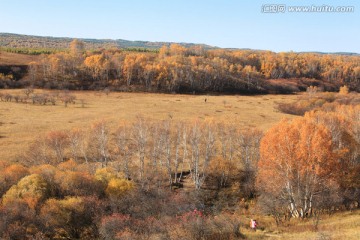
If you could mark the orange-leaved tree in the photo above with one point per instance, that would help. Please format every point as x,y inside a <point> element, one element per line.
<point>295,167</point>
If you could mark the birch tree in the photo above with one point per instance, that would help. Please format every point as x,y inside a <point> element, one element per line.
<point>296,165</point>
<point>124,148</point>
<point>101,140</point>
<point>140,138</point>
<point>202,145</point>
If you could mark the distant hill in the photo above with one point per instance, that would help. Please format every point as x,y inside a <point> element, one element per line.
<point>335,53</point>
<point>10,40</point>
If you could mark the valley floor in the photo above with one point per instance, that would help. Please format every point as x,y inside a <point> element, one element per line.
<point>20,123</point>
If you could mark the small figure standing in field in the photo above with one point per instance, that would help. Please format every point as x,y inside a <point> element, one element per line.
<point>205,100</point>
<point>253,224</point>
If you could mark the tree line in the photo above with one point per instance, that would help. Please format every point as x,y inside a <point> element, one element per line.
<point>30,96</point>
<point>193,70</point>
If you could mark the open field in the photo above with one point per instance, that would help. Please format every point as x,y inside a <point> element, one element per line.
<point>7,58</point>
<point>20,123</point>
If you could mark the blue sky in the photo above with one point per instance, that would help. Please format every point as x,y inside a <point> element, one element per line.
<point>223,23</point>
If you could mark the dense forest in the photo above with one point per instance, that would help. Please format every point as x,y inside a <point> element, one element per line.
<point>195,69</point>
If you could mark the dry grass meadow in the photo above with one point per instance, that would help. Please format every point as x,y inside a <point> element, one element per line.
<point>20,123</point>
<point>342,225</point>
<point>7,58</point>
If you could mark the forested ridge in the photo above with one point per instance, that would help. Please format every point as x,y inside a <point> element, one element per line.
<point>179,69</point>
<point>21,42</point>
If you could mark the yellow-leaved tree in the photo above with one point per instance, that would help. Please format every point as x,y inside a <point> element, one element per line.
<point>117,187</point>
<point>31,189</point>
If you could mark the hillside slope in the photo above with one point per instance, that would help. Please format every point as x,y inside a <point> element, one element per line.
<point>10,40</point>
<point>8,59</point>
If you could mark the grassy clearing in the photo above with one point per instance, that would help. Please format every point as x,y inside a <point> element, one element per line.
<point>7,58</point>
<point>20,123</point>
<point>345,225</point>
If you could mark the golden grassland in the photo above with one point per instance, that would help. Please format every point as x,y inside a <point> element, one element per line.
<point>20,123</point>
<point>344,225</point>
<point>7,58</point>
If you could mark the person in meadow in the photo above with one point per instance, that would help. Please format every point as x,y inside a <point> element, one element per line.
<point>253,224</point>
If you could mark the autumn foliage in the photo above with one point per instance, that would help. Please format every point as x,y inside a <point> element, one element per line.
<point>315,99</point>
<point>296,165</point>
<point>193,69</point>
<point>182,180</point>
<point>127,183</point>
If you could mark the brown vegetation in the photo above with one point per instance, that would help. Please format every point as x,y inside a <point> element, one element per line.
<point>176,69</point>
<point>315,99</point>
<point>110,165</point>
<point>126,176</point>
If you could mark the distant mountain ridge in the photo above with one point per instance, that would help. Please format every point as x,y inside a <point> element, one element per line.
<point>12,40</point>
<point>335,53</point>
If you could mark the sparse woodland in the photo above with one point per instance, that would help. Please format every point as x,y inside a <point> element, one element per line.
<point>182,180</point>
<point>168,179</point>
